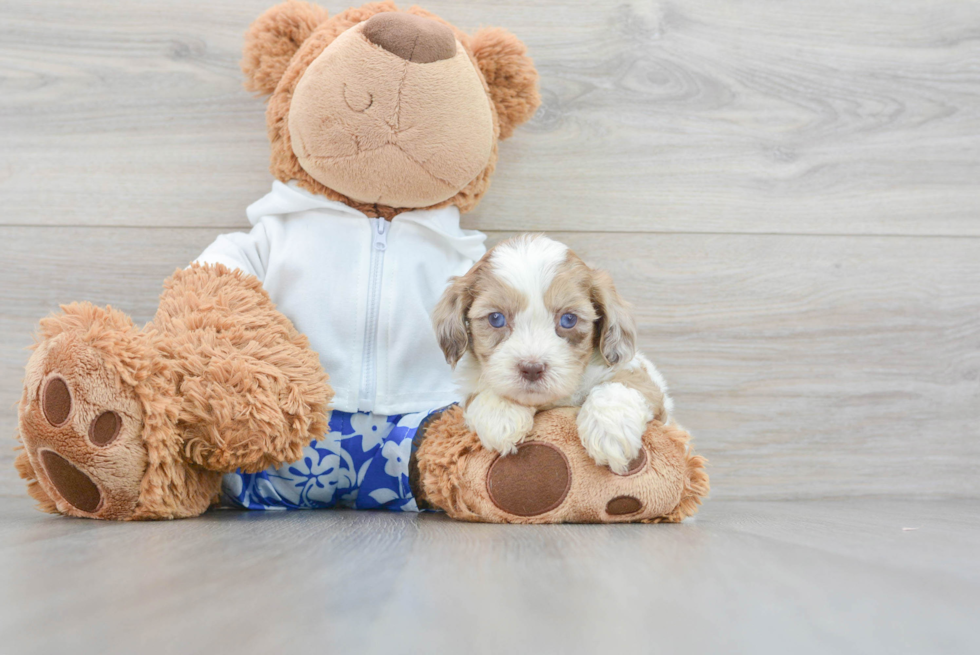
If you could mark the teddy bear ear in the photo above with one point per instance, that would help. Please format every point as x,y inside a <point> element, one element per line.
<point>510,74</point>
<point>273,39</point>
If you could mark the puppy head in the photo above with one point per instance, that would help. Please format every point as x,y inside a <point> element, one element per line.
<point>532,314</point>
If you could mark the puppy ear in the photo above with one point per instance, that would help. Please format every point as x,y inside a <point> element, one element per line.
<point>449,319</point>
<point>273,39</point>
<point>616,336</point>
<point>510,74</point>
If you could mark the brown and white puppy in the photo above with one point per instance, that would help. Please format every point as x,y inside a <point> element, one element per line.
<point>532,327</point>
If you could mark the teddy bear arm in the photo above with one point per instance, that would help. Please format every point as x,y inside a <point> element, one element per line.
<point>252,392</point>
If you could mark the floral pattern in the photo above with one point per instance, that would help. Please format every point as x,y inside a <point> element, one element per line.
<point>361,463</point>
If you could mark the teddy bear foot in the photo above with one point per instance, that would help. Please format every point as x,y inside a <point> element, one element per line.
<point>80,424</point>
<point>551,479</point>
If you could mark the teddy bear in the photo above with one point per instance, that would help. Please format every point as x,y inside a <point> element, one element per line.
<point>384,126</point>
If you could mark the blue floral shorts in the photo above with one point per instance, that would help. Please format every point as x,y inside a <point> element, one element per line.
<point>361,463</point>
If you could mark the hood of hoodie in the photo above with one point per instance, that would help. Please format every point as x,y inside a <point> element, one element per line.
<point>289,198</point>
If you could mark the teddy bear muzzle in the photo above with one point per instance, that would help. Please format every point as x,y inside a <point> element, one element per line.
<point>393,112</point>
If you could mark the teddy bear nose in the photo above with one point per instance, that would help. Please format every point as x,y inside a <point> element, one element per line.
<point>413,38</point>
<point>531,371</point>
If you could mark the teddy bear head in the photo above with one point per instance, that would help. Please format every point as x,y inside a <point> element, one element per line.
<point>383,109</point>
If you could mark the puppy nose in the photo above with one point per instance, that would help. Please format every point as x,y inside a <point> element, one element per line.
<point>413,38</point>
<point>531,371</point>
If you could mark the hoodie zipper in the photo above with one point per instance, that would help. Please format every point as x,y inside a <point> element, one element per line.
<point>369,365</point>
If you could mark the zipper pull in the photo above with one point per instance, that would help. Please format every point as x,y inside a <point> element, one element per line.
<point>381,234</point>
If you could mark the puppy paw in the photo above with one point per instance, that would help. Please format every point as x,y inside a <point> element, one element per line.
<point>500,423</point>
<point>611,425</point>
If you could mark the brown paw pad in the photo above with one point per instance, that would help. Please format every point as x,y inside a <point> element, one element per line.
<point>636,465</point>
<point>622,505</point>
<point>74,486</point>
<point>105,428</point>
<point>56,401</point>
<point>532,481</point>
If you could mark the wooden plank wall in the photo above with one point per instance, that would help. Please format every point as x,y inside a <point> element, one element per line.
<point>789,193</point>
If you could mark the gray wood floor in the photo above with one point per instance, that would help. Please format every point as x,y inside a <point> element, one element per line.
<point>744,577</point>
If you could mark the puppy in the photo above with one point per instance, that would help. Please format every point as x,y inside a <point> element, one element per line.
<point>531,327</point>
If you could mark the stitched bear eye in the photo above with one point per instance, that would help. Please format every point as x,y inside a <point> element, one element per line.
<point>568,321</point>
<point>497,320</point>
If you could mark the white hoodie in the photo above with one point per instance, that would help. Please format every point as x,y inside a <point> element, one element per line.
<point>362,289</point>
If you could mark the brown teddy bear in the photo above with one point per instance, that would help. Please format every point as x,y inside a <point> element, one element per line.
<point>384,126</point>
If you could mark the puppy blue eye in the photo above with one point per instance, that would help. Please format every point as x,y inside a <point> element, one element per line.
<point>497,320</point>
<point>568,321</point>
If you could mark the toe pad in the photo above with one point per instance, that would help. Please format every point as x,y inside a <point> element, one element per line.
<point>73,485</point>
<point>56,402</point>
<point>105,428</point>
<point>623,505</point>
<point>532,481</point>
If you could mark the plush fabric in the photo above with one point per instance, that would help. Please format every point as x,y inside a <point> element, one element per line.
<point>272,40</point>
<point>411,37</point>
<point>514,71</point>
<point>398,134</point>
<point>219,380</point>
<point>556,482</point>
<point>513,85</point>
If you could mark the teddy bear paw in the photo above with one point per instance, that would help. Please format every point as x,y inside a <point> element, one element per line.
<point>551,478</point>
<point>81,425</point>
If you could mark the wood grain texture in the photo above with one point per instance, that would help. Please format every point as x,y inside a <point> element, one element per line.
<point>805,366</point>
<point>822,117</point>
<point>743,577</point>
